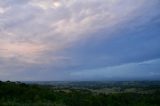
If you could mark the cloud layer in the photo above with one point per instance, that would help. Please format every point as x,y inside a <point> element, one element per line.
<point>59,38</point>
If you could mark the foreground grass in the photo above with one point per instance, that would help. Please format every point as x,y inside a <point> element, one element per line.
<point>19,94</point>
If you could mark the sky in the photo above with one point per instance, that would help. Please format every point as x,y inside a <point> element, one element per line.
<point>79,40</point>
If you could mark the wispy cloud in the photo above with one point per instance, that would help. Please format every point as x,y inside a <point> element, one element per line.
<point>131,71</point>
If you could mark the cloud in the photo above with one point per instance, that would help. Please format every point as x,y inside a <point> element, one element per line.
<point>2,10</point>
<point>22,51</point>
<point>45,5</point>
<point>130,71</point>
<point>77,35</point>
